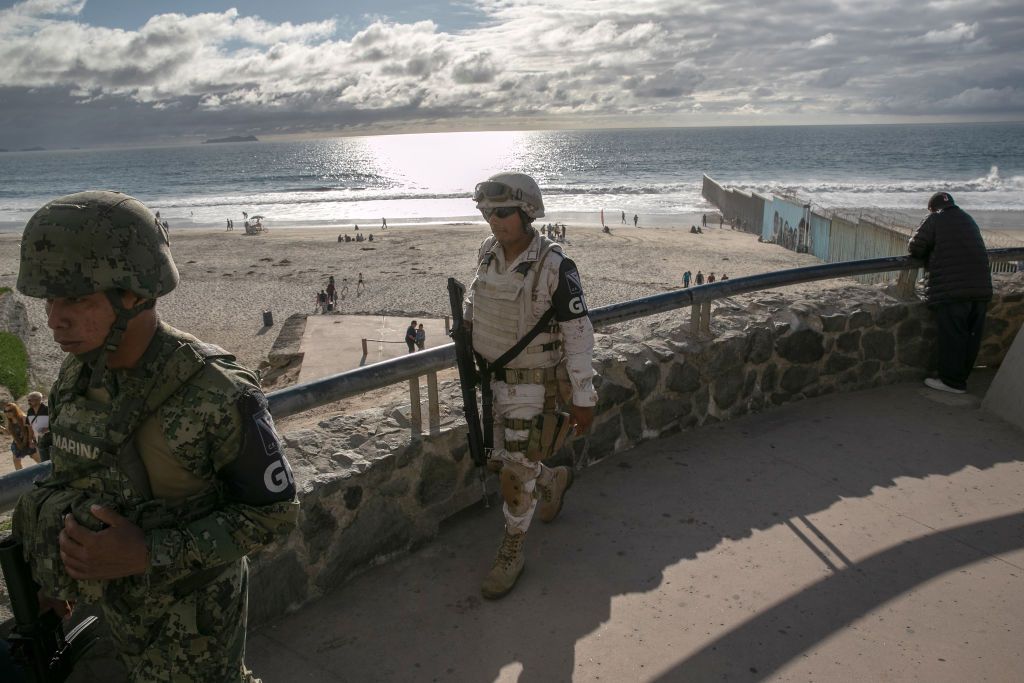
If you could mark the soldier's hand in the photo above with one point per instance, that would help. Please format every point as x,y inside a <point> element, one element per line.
<point>582,417</point>
<point>117,551</point>
<point>62,608</point>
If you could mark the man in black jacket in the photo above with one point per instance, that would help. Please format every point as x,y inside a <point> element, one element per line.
<point>958,289</point>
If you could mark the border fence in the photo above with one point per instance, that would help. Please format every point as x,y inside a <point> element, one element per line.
<point>833,235</point>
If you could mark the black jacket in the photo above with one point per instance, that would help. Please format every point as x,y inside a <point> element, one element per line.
<point>950,244</point>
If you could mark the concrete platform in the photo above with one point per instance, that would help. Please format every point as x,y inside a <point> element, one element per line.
<point>332,343</point>
<point>872,536</point>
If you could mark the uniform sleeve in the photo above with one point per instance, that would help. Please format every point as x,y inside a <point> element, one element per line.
<point>577,332</point>
<point>259,502</point>
<point>923,240</point>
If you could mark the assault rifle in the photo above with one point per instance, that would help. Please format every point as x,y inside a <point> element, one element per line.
<point>469,378</point>
<point>37,641</point>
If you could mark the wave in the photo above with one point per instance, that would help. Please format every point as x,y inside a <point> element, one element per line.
<point>991,182</point>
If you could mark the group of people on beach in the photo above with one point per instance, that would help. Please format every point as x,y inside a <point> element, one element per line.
<point>700,279</point>
<point>327,299</point>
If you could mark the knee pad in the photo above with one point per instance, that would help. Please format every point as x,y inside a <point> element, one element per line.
<point>513,490</point>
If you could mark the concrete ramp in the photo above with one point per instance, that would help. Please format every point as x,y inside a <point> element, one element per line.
<point>333,343</point>
<point>1004,397</point>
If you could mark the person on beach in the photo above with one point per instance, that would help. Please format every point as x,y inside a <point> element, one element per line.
<point>623,217</point>
<point>167,469</point>
<point>636,218</point>
<point>721,220</point>
<point>321,302</point>
<point>724,277</point>
<point>23,440</point>
<point>686,279</point>
<point>700,278</point>
<point>704,220</point>
<point>360,285</point>
<point>383,223</point>
<point>711,277</point>
<point>332,293</point>
<point>410,336</point>
<point>421,337</point>
<point>525,287</point>
<point>958,287</point>
<point>38,416</point>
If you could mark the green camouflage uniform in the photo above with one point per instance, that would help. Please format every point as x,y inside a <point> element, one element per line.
<point>185,618</point>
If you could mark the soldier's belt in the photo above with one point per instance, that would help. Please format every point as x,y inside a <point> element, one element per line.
<point>526,376</point>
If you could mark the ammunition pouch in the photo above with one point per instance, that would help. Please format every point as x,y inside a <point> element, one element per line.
<point>547,434</point>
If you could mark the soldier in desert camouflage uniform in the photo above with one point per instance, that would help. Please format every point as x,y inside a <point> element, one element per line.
<point>167,469</point>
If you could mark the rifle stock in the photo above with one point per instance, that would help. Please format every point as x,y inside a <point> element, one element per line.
<point>468,378</point>
<point>37,641</point>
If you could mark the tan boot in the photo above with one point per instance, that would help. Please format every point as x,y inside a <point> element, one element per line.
<point>551,492</point>
<point>508,565</point>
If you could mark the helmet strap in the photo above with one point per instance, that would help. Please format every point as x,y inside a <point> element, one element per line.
<point>526,219</point>
<point>116,334</point>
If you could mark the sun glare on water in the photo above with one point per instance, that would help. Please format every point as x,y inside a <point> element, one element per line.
<point>444,162</point>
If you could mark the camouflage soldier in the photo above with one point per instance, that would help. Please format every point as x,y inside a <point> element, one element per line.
<point>525,283</point>
<point>167,469</point>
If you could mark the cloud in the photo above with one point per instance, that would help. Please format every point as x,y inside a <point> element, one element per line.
<point>574,61</point>
<point>954,34</point>
<point>826,40</point>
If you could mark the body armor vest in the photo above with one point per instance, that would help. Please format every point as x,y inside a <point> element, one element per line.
<point>95,460</point>
<point>505,308</point>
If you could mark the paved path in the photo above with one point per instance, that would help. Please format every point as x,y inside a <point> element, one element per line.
<point>872,536</point>
<point>333,343</point>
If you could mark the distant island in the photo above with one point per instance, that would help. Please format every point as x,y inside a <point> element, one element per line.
<point>233,138</point>
<point>26,149</point>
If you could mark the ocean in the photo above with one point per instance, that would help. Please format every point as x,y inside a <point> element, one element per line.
<point>429,177</point>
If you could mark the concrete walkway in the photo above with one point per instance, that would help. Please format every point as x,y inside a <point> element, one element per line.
<point>872,536</point>
<point>332,343</point>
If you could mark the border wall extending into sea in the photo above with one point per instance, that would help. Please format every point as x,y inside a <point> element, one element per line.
<point>833,235</point>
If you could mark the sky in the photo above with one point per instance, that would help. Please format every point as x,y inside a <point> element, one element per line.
<point>88,73</point>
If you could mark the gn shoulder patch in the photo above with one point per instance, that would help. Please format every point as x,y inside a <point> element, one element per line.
<point>260,475</point>
<point>569,300</point>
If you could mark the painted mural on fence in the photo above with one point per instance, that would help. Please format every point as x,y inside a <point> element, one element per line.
<point>784,223</point>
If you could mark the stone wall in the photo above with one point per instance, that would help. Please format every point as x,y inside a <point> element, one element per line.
<point>370,491</point>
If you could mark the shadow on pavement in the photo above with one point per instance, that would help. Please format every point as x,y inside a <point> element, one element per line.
<point>634,524</point>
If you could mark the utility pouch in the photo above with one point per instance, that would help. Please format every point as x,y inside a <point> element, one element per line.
<point>547,434</point>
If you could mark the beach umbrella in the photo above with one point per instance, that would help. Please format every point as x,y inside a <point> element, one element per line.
<point>257,218</point>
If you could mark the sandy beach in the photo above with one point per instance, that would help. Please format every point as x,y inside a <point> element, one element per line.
<point>228,278</point>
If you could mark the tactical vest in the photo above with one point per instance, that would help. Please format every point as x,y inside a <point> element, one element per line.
<point>504,310</point>
<point>95,460</point>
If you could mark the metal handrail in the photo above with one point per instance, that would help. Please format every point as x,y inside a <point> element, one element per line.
<point>302,397</point>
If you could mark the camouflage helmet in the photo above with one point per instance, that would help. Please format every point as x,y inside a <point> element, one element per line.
<point>510,189</point>
<point>92,242</point>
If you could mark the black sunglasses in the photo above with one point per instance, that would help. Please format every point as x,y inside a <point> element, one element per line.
<point>500,212</point>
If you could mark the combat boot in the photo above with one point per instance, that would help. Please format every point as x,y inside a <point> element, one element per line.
<point>508,565</point>
<point>551,488</point>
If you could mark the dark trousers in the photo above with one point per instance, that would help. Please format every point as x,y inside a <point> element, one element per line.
<point>411,345</point>
<point>960,324</point>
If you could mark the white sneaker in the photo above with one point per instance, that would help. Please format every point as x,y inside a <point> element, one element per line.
<point>936,383</point>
